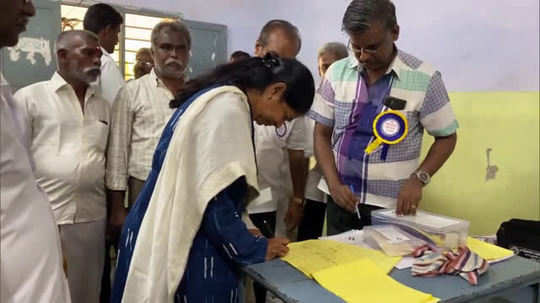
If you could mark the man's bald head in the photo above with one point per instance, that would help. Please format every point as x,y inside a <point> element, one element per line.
<point>78,55</point>
<point>280,37</point>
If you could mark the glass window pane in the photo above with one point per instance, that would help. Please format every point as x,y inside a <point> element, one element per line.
<point>134,45</point>
<point>130,57</point>
<point>130,68</point>
<point>138,33</point>
<point>72,17</point>
<point>142,21</point>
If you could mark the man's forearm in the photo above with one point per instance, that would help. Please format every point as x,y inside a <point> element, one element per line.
<point>116,199</point>
<point>298,166</point>
<point>438,153</point>
<point>324,154</point>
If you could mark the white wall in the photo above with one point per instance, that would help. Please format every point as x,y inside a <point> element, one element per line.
<point>478,45</point>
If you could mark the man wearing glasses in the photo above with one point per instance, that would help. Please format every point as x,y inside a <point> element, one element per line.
<point>353,93</point>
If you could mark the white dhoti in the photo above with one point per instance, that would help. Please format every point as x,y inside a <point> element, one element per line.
<point>84,248</point>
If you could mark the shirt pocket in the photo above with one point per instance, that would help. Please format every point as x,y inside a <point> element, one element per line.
<point>97,134</point>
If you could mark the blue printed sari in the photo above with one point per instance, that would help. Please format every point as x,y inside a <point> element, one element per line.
<point>221,244</point>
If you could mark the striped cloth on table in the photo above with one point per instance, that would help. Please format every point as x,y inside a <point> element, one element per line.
<point>462,262</point>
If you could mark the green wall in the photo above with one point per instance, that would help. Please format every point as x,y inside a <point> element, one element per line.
<point>508,123</point>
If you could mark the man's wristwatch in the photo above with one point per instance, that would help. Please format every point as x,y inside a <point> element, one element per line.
<point>423,176</point>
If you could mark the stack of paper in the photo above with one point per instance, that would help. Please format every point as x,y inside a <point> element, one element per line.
<point>490,252</point>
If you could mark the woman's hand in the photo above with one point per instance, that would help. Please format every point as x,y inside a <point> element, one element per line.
<point>277,247</point>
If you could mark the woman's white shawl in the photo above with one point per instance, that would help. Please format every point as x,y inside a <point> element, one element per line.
<point>211,147</point>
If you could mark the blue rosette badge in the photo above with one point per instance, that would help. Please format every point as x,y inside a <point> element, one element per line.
<point>389,127</point>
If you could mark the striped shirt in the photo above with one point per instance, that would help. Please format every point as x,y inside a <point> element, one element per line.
<point>346,104</point>
<point>139,115</point>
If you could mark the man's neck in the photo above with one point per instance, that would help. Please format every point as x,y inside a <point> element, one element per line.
<point>80,90</point>
<point>173,85</point>
<point>373,76</point>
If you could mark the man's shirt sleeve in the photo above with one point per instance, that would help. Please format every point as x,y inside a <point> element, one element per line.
<point>322,109</point>
<point>436,114</point>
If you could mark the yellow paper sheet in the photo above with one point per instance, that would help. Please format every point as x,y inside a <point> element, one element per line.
<point>315,255</point>
<point>488,251</point>
<point>364,281</point>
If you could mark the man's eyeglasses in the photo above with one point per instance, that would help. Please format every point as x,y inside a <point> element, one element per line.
<point>367,50</point>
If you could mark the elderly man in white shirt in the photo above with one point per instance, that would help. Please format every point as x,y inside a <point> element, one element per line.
<point>31,262</point>
<point>104,21</point>
<point>140,114</point>
<point>69,131</point>
<point>282,166</point>
<point>280,151</point>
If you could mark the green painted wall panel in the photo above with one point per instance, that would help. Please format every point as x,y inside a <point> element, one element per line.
<point>508,123</point>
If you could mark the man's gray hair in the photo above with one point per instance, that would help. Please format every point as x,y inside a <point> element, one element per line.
<point>63,40</point>
<point>175,26</point>
<point>360,14</point>
<point>336,49</point>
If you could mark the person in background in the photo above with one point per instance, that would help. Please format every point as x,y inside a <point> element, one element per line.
<point>184,238</point>
<point>328,54</point>
<point>139,115</point>
<point>282,168</point>
<point>352,94</point>
<point>30,247</point>
<point>69,128</point>
<point>143,62</point>
<point>315,206</point>
<point>280,151</point>
<point>104,21</point>
<point>239,55</point>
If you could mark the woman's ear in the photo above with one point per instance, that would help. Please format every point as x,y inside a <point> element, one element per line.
<point>278,89</point>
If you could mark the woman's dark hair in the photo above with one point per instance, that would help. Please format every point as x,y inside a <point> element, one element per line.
<point>258,73</point>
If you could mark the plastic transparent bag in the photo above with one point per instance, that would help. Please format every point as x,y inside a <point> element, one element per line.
<point>392,240</point>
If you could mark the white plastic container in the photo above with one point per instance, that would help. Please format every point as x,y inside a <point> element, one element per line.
<point>392,239</point>
<point>443,231</point>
